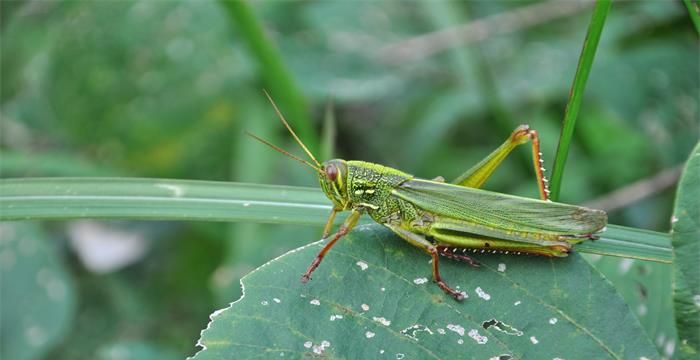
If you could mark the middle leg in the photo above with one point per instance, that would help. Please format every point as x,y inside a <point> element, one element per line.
<point>422,243</point>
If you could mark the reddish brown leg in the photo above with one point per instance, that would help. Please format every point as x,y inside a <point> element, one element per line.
<point>425,245</point>
<point>450,252</point>
<point>542,181</point>
<point>457,295</point>
<point>344,229</point>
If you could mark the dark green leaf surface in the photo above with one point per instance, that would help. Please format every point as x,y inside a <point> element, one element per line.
<point>646,288</point>
<point>685,237</point>
<point>373,297</point>
<point>38,299</point>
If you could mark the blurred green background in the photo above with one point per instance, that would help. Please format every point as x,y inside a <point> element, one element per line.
<point>167,88</point>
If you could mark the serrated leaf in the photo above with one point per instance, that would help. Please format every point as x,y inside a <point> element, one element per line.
<point>38,299</point>
<point>373,296</point>
<point>685,237</point>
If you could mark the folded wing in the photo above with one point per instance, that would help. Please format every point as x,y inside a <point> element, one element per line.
<point>501,211</point>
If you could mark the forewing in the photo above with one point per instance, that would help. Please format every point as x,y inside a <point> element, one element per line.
<point>500,211</point>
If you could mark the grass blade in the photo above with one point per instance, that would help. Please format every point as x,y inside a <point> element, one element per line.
<point>163,199</point>
<point>694,12</point>
<point>595,28</point>
<point>278,79</point>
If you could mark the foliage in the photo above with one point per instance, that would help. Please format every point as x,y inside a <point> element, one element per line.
<point>373,296</point>
<point>685,233</point>
<point>164,89</point>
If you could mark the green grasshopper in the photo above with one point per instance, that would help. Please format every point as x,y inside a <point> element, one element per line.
<point>450,219</point>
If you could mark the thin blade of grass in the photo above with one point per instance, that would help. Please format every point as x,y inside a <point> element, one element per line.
<point>694,12</point>
<point>164,199</point>
<point>277,77</point>
<point>583,69</point>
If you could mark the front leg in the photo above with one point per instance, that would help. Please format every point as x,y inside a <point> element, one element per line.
<point>420,242</point>
<point>329,223</point>
<point>348,224</point>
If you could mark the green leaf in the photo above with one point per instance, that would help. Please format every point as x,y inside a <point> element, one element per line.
<point>165,199</point>
<point>646,288</point>
<point>38,299</point>
<point>685,237</point>
<point>373,296</point>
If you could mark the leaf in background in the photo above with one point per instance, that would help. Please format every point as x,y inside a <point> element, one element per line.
<point>37,294</point>
<point>373,295</point>
<point>685,237</point>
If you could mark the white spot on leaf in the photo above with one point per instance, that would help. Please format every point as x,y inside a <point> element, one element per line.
<point>420,281</point>
<point>382,320</point>
<point>369,334</point>
<point>364,307</point>
<point>553,321</point>
<point>277,300</point>
<point>456,328</point>
<point>315,302</point>
<point>534,340</point>
<point>501,267</point>
<point>363,265</point>
<point>517,303</point>
<point>480,339</point>
<point>482,294</point>
<point>308,344</point>
<point>413,331</point>
<point>319,349</point>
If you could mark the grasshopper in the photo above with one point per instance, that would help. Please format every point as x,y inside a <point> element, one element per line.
<point>449,219</point>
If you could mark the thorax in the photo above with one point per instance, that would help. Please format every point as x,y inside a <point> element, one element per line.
<point>369,185</point>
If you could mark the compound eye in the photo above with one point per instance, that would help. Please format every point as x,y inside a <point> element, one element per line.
<point>331,172</point>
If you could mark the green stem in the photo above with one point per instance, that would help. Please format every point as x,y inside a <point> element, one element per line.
<point>595,29</point>
<point>278,79</point>
<point>694,12</point>
<point>164,199</point>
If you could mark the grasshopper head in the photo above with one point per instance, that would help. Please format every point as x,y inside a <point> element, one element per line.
<point>333,179</point>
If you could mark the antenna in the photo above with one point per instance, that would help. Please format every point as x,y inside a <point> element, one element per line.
<point>281,117</point>
<point>276,148</point>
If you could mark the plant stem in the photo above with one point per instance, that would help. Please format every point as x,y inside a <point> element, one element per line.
<point>278,79</point>
<point>694,12</point>
<point>595,29</point>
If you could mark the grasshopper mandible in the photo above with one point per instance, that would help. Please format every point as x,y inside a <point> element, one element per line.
<point>450,219</point>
